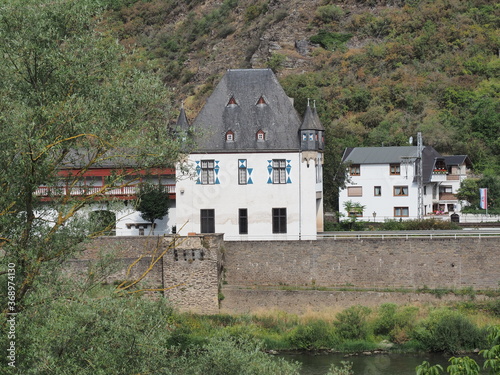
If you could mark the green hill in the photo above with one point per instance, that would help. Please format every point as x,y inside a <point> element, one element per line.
<point>380,71</point>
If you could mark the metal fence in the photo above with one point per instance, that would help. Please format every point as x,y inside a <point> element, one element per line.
<point>473,233</point>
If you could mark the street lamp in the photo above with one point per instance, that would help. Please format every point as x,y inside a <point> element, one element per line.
<point>374,215</point>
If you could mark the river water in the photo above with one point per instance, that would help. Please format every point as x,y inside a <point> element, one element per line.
<point>378,364</point>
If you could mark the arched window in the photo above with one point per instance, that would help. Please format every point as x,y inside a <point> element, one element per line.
<point>261,136</point>
<point>229,136</point>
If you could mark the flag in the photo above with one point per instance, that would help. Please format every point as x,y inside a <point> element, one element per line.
<point>483,198</point>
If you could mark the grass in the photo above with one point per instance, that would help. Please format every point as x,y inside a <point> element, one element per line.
<point>317,330</point>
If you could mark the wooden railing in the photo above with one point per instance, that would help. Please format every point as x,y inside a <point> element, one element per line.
<point>45,191</point>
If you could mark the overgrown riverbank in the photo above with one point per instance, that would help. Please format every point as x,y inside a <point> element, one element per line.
<point>102,332</point>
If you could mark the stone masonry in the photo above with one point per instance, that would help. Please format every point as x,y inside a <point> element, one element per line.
<point>189,271</point>
<point>369,263</point>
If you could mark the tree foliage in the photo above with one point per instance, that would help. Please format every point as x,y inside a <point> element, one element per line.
<point>153,201</point>
<point>70,99</point>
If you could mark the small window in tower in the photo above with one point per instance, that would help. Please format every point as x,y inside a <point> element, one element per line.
<point>261,136</point>
<point>311,136</point>
<point>304,136</point>
<point>229,136</point>
<point>261,101</point>
<point>232,101</point>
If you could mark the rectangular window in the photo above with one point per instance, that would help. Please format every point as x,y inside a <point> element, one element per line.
<point>279,171</point>
<point>355,191</point>
<point>401,211</point>
<point>207,172</point>
<point>242,172</point>
<point>395,169</point>
<point>207,221</point>
<point>400,191</point>
<point>243,220</point>
<point>279,220</point>
<point>355,170</point>
<point>377,191</point>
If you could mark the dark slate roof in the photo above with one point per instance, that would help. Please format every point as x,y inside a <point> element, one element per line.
<point>378,155</point>
<point>316,118</point>
<point>311,120</point>
<point>182,123</point>
<point>276,116</point>
<point>388,155</point>
<point>457,160</point>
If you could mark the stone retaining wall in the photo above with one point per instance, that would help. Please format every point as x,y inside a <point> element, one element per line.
<point>369,263</point>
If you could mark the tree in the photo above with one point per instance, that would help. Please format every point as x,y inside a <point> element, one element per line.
<point>469,191</point>
<point>153,202</point>
<point>70,99</point>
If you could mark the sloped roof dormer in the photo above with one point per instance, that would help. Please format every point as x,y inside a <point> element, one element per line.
<point>231,102</point>
<point>277,117</point>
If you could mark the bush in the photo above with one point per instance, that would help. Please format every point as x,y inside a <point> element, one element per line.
<point>449,331</point>
<point>329,13</point>
<point>419,224</point>
<point>314,335</point>
<point>330,41</point>
<point>395,322</point>
<point>255,10</point>
<point>351,324</point>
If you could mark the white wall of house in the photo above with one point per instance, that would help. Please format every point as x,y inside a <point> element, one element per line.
<point>385,204</point>
<point>226,196</point>
<point>130,223</point>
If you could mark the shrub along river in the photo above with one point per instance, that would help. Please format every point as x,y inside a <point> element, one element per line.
<point>378,364</point>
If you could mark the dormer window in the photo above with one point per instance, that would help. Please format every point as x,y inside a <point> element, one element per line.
<point>261,101</point>
<point>261,136</point>
<point>229,136</point>
<point>232,102</point>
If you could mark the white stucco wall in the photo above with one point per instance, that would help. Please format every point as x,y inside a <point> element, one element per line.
<point>130,216</point>
<point>259,197</point>
<point>372,175</point>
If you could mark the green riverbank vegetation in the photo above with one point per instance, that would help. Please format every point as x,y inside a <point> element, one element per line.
<point>99,331</point>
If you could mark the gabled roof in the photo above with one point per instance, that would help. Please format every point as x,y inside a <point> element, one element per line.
<point>457,160</point>
<point>392,155</point>
<point>276,117</point>
<point>378,155</point>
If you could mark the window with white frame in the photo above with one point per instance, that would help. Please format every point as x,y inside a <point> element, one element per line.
<point>279,171</point>
<point>207,172</point>
<point>242,172</point>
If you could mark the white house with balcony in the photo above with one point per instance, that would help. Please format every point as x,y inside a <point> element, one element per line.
<point>256,172</point>
<point>384,182</point>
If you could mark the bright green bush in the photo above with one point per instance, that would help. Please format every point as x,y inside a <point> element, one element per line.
<point>351,324</point>
<point>314,335</point>
<point>329,40</point>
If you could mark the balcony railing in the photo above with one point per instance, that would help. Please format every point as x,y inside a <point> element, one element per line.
<point>45,191</point>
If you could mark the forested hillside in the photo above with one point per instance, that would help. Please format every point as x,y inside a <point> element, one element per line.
<point>380,71</point>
